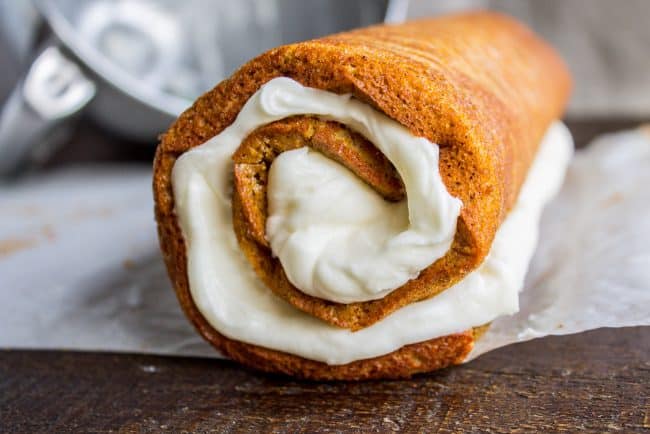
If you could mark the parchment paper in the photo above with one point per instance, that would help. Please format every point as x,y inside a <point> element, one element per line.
<point>80,267</point>
<point>592,265</point>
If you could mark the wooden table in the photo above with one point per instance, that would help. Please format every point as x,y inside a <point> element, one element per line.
<point>596,381</point>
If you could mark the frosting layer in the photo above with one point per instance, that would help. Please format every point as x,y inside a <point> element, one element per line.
<point>230,297</point>
<point>338,239</point>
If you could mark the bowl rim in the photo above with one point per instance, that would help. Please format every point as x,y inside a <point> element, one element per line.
<point>154,98</point>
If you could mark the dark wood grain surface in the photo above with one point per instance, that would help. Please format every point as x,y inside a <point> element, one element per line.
<point>596,382</point>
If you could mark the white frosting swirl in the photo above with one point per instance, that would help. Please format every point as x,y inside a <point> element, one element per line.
<point>238,305</point>
<point>337,238</point>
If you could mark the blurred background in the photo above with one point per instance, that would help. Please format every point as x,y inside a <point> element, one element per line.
<point>98,80</point>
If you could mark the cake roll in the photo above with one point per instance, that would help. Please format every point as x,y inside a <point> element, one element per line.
<point>364,204</point>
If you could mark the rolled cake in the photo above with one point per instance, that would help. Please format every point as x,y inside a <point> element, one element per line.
<point>360,205</point>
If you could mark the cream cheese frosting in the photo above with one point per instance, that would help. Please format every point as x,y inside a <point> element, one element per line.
<point>238,305</point>
<point>338,239</point>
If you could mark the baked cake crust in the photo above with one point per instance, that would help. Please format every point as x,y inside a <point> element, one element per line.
<point>480,85</point>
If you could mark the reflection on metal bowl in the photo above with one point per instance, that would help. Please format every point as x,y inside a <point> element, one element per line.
<point>148,59</point>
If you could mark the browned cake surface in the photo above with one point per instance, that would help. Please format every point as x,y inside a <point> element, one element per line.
<point>479,85</point>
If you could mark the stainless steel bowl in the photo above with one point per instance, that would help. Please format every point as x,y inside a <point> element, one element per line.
<point>134,65</point>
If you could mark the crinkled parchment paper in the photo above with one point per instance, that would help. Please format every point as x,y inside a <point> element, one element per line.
<point>592,265</point>
<point>80,267</point>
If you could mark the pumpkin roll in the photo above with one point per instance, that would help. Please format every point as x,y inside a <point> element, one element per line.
<point>361,205</point>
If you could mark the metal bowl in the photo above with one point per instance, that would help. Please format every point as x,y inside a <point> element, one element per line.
<point>134,65</point>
